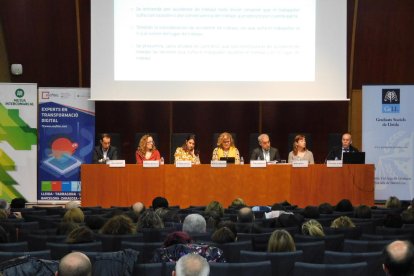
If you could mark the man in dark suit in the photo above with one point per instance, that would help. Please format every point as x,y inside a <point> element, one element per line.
<point>336,152</point>
<point>265,151</point>
<point>104,152</point>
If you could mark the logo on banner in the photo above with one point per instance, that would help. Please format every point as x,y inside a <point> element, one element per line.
<point>19,100</point>
<point>390,100</point>
<point>19,93</point>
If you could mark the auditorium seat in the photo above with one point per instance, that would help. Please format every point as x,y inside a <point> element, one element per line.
<point>282,262</point>
<point>349,233</point>
<point>231,250</point>
<point>307,269</point>
<point>145,249</point>
<point>43,254</point>
<point>373,259</point>
<point>365,246</point>
<point>253,143</point>
<point>334,140</point>
<point>58,250</point>
<point>108,263</point>
<point>377,237</point>
<point>241,269</point>
<point>113,242</point>
<point>313,252</point>
<point>38,242</point>
<point>332,242</point>
<point>259,240</point>
<point>161,269</point>
<point>14,246</point>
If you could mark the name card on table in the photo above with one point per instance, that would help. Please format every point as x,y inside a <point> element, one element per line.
<point>116,163</point>
<point>258,163</point>
<point>218,163</point>
<point>300,163</point>
<point>183,164</point>
<point>151,164</point>
<point>334,163</point>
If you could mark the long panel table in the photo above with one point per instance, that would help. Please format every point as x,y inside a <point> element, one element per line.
<point>105,186</point>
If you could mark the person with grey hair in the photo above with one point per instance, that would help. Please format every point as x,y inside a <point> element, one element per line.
<point>138,208</point>
<point>191,265</point>
<point>75,264</point>
<point>265,151</point>
<point>194,223</point>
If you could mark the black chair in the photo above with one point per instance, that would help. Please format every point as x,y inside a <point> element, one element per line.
<point>373,259</point>
<point>113,242</point>
<point>241,269</point>
<point>146,249</point>
<point>313,252</point>
<point>110,263</point>
<point>332,242</point>
<point>253,143</point>
<point>177,140</point>
<point>259,241</point>
<point>377,237</point>
<point>367,227</point>
<point>353,233</point>
<point>58,250</point>
<point>380,230</point>
<point>306,269</point>
<point>291,139</point>
<point>364,246</point>
<point>282,262</point>
<point>334,140</point>
<point>38,242</point>
<point>43,254</point>
<point>161,269</point>
<point>14,246</point>
<point>231,250</point>
<point>201,237</point>
<point>155,235</point>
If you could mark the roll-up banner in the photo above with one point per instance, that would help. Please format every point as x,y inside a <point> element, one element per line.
<point>388,138</point>
<point>66,140</point>
<point>18,141</point>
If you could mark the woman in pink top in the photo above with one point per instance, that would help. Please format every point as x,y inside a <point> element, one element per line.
<point>146,150</point>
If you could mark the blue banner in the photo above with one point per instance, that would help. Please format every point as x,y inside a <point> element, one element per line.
<point>66,140</point>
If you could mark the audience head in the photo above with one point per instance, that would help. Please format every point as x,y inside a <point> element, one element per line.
<point>407,216</point>
<point>18,203</point>
<point>311,212</point>
<point>118,225</point>
<point>312,228</point>
<point>342,222</point>
<point>281,241</point>
<point>225,141</point>
<point>194,223</point>
<point>393,203</point>
<point>65,228</point>
<point>264,141</point>
<point>346,140</point>
<point>363,212</point>
<point>95,222</point>
<point>72,204</point>
<point>344,205</point>
<point>299,144</point>
<point>3,214</point>
<point>75,263</point>
<point>393,220</point>
<point>74,215</point>
<point>238,203</point>
<point>4,236</point>
<point>4,205</point>
<point>192,265</point>
<point>245,214</point>
<point>146,143</point>
<point>189,144</point>
<point>230,225</point>
<point>325,208</point>
<point>149,219</point>
<point>212,219</point>
<point>80,235</point>
<point>215,206</point>
<point>138,208</point>
<point>105,141</point>
<point>399,258</point>
<point>177,237</point>
<point>278,207</point>
<point>159,202</point>
<point>223,235</point>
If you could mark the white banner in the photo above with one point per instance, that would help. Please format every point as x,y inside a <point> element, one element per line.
<point>388,138</point>
<point>18,141</point>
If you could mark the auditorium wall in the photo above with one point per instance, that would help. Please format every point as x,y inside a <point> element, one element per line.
<point>52,41</point>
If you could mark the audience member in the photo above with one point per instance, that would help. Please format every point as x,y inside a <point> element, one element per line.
<point>75,263</point>
<point>95,222</point>
<point>4,205</point>
<point>212,219</point>
<point>245,219</point>
<point>118,225</point>
<point>230,225</point>
<point>215,206</point>
<point>325,208</point>
<point>393,220</point>
<point>138,208</point>
<point>194,224</point>
<point>393,203</point>
<point>159,202</point>
<point>192,265</point>
<point>281,241</point>
<point>312,228</point>
<point>74,215</point>
<point>177,237</point>
<point>363,212</point>
<point>81,235</point>
<point>238,203</point>
<point>223,235</point>
<point>407,216</point>
<point>149,220</point>
<point>399,258</point>
<point>245,214</point>
<point>18,203</point>
<point>344,205</point>
<point>65,228</point>
<point>4,236</point>
<point>311,212</point>
<point>3,214</point>
<point>342,222</point>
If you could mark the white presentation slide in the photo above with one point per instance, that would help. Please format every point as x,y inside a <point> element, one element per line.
<point>218,50</point>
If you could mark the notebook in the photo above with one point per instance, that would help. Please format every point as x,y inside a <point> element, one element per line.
<point>229,160</point>
<point>353,158</point>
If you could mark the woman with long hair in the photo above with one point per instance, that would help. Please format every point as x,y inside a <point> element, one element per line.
<point>300,152</point>
<point>146,150</point>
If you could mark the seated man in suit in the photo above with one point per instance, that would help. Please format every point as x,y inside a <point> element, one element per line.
<point>104,152</point>
<point>336,152</point>
<point>265,151</point>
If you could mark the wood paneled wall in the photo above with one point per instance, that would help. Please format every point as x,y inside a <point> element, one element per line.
<point>52,40</point>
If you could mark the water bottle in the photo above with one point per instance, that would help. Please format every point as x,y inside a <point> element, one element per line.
<point>241,160</point>
<point>162,161</point>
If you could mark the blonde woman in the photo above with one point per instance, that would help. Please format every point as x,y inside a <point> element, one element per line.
<point>300,152</point>
<point>146,150</point>
<point>226,148</point>
<point>342,222</point>
<point>281,241</point>
<point>312,228</point>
